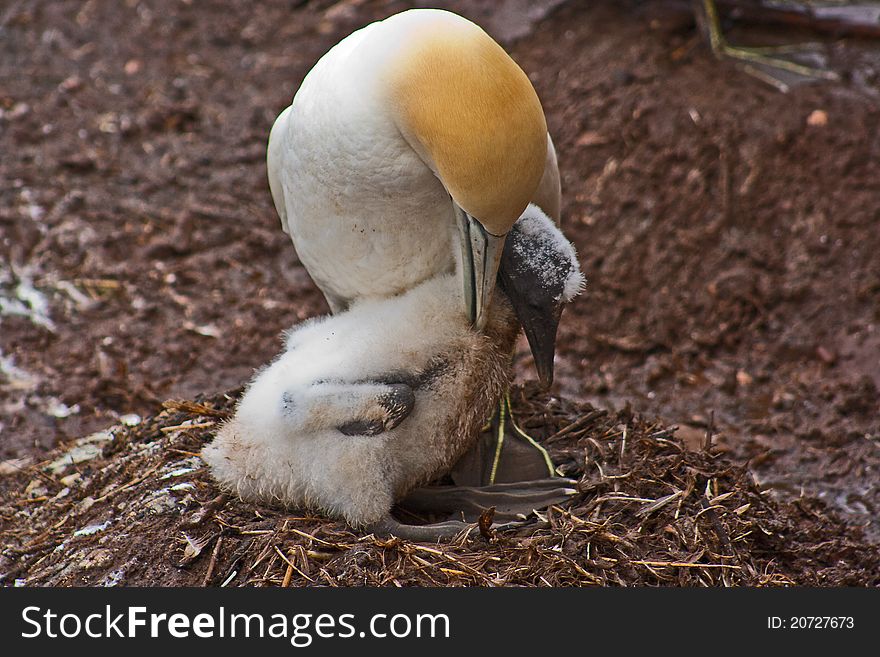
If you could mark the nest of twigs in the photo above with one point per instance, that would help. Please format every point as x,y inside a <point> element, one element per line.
<point>136,506</point>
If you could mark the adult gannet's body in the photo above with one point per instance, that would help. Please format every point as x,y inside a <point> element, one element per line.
<point>367,404</point>
<point>413,142</point>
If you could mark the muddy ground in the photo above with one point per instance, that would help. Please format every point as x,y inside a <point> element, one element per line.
<point>729,231</point>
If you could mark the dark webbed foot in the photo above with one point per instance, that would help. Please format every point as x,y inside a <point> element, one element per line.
<point>773,65</point>
<point>353,408</point>
<point>396,403</point>
<point>495,459</point>
<point>512,501</point>
<point>441,531</point>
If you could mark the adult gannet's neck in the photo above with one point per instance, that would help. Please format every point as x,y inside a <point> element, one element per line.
<point>469,112</point>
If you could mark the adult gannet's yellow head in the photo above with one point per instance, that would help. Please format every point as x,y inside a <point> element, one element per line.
<point>473,116</point>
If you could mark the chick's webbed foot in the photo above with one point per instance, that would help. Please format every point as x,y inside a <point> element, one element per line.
<point>394,404</point>
<point>354,409</point>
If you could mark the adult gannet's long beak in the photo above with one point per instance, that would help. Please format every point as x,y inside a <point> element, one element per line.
<point>480,258</point>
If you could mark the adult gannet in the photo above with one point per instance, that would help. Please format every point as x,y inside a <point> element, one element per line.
<point>367,404</point>
<point>410,149</point>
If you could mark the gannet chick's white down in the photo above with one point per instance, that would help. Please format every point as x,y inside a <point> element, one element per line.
<point>365,405</point>
<point>410,150</point>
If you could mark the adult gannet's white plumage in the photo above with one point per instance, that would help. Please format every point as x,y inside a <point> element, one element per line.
<point>413,142</point>
<point>369,403</point>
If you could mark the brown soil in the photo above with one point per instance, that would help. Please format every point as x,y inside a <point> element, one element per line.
<point>729,238</point>
<point>731,243</point>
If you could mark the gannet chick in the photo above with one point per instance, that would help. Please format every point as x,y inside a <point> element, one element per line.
<point>366,405</point>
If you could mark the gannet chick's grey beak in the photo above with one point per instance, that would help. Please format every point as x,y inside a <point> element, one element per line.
<point>539,272</point>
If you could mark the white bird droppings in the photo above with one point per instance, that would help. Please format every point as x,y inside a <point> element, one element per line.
<point>92,529</point>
